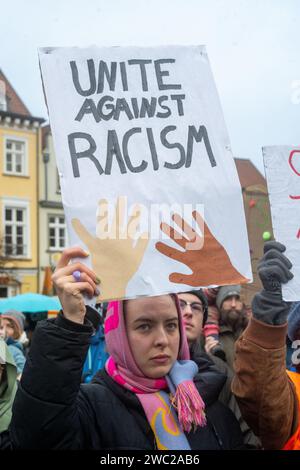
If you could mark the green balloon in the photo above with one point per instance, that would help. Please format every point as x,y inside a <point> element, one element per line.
<point>266,236</point>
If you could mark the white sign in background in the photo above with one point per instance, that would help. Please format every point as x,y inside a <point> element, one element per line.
<point>177,151</point>
<point>282,165</point>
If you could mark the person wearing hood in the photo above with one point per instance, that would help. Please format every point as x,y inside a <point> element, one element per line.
<point>150,394</point>
<point>10,330</point>
<point>8,387</point>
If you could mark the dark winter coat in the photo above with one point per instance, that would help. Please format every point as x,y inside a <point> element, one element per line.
<point>52,410</point>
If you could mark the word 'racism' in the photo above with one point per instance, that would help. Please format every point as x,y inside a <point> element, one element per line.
<point>115,78</point>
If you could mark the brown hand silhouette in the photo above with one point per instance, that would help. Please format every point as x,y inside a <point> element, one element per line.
<point>209,263</point>
<point>115,259</point>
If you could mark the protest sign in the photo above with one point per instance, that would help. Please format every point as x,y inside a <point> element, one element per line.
<point>282,165</point>
<point>148,181</point>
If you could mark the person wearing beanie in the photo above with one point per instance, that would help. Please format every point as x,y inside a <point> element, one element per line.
<point>267,393</point>
<point>11,326</point>
<point>20,317</point>
<point>10,331</point>
<point>227,318</point>
<point>226,292</point>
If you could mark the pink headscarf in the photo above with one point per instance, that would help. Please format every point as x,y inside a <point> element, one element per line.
<point>122,368</point>
<point>127,372</point>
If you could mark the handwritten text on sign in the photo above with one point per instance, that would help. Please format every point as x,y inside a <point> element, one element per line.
<point>103,75</point>
<point>282,165</point>
<point>142,128</point>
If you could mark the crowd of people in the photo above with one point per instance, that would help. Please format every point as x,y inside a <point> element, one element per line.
<point>195,370</point>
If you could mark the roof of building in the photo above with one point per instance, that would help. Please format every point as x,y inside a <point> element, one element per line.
<point>46,130</point>
<point>14,103</point>
<point>248,173</point>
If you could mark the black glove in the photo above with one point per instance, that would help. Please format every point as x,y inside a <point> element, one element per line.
<point>273,270</point>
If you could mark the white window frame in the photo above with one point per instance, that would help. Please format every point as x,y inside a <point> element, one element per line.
<point>56,225</point>
<point>11,290</point>
<point>15,203</point>
<point>21,140</point>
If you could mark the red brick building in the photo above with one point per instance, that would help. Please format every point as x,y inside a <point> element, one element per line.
<point>258,216</point>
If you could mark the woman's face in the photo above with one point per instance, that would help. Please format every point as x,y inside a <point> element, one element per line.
<point>7,329</point>
<point>153,334</point>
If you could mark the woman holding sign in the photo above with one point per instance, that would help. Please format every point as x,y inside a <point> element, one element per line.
<point>150,395</point>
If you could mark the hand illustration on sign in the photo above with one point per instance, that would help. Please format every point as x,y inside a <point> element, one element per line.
<point>210,263</point>
<point>116,254</point>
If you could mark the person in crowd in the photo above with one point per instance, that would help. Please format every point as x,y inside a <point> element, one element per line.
<point>8,387</point>
<point>266,392</point>
<point>294,335</point>
<point>289,354</point>
<point>194,308</point>
<point>149,396</point>
<point>30,324</point>
<point>228,316</point>
<point>20,317</point>
<point>10,330</point>
<point>97,354</point>
<point>294,372</point>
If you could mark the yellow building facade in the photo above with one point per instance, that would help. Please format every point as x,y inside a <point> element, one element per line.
<point>20,150</point>
<point>53,236</point>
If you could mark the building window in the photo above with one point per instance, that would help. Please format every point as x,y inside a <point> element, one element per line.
<point>8,291</point>
<point>57,232</point>
<point>15,231</point>
<point>15,157</point>
<point>3,291</point>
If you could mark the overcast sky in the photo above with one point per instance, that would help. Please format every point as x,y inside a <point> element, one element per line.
<point>253,46</point>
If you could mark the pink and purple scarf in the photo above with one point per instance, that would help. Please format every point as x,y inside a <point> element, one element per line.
<point>167,425</point>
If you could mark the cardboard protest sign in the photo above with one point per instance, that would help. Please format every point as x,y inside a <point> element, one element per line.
<point>148,182</point>
<point>282,165</point>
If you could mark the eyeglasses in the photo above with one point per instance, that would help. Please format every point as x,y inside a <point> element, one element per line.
<point>196,307</point>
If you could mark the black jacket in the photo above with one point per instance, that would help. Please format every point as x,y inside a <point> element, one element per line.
<point>52,410</point>
<point>5,442</point>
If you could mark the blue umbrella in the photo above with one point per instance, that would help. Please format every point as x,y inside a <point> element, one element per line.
<point>30,303</point>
